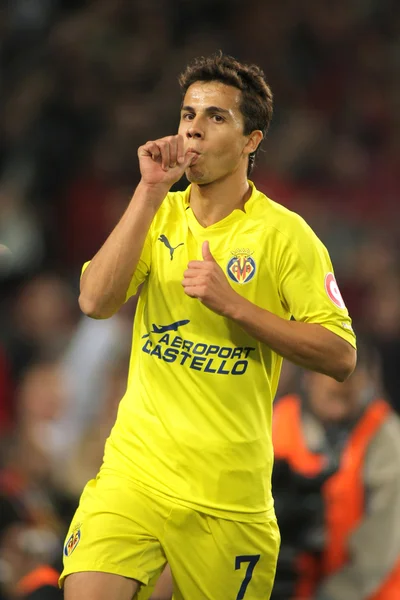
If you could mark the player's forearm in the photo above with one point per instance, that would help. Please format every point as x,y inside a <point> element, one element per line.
<point>106,280</point>
<point>308,345</point>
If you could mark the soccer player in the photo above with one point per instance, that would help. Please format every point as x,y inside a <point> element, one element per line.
<point>232,282</point>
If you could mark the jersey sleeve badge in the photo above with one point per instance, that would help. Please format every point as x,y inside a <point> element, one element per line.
<point>332,289</point>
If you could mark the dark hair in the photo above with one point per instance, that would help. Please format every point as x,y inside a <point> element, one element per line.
<point>257,101</point>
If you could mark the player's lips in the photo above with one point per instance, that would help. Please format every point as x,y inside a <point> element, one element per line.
<point>193,151</point>
<point>195,154</point>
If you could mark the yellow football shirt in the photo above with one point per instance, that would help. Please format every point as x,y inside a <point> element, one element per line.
<point>195,422</point>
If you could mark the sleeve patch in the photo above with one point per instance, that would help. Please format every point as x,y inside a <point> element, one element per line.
<point>332,289</point>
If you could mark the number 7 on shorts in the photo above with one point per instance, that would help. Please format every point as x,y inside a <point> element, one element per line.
<point>252,559</point>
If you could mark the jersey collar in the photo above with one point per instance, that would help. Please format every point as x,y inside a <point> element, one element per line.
<point>235,215</point>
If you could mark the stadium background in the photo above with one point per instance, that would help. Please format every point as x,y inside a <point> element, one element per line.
<point>82,85</point>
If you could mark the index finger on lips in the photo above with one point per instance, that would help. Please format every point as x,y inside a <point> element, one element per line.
<point>180,149</point>
<point>164,148</point>
<point>173,150</point>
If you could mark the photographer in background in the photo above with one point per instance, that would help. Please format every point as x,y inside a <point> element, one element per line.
<point>343,438</point>
<point>299,508</point>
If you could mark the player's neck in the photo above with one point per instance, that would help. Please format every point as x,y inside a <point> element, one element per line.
<point>213,202</point>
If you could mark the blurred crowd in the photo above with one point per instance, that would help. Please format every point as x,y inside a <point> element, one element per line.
<point>83,83</point>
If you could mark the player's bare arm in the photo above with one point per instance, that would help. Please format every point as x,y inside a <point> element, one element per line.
<point>308,345</point>
<point>106,280</point>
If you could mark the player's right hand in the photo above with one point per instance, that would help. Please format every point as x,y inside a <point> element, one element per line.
<point>164,161</point>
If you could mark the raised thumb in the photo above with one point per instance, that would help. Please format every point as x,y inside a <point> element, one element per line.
<point>205,250</point>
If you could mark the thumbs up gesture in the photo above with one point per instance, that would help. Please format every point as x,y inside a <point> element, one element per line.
<point>205,280</point>
<point>206,252</point>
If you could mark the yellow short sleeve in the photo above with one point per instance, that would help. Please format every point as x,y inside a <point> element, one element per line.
<point>307,283</point>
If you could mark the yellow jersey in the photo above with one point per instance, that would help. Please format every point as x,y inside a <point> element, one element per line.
<point>195,422</point>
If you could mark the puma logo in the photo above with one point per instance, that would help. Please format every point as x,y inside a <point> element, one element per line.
<point>163,238</point>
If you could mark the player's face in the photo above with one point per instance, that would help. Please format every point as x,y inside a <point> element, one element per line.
<point>212,125</point>
<point>332,401</point>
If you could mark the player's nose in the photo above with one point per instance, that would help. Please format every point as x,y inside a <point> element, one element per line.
<point>194,131</point>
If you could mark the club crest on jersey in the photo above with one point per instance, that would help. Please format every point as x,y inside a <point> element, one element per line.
<point>241,267</point>
<point>72,541</point>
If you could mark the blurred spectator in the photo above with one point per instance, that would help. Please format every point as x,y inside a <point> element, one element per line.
<point>42,321</point>
<point>94,349</point>
<point>28,458</point>
<point>374,291</point>
<point>86,454</point>
<point>20,232</point>
<point>41,399</point>
<point>383,324</point>
<point>345,440</point>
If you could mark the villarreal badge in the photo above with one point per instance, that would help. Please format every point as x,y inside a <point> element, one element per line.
<point>73,540</point>
<point>241,267</point>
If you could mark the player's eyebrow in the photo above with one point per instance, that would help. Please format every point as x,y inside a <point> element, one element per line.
<point>209,109</point>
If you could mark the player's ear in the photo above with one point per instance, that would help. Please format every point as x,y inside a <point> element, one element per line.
<point>253,141</point>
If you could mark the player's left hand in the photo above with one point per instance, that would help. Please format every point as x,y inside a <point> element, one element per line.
<point>205,280</point>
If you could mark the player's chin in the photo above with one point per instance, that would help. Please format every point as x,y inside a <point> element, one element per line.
<point>194,175</point>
